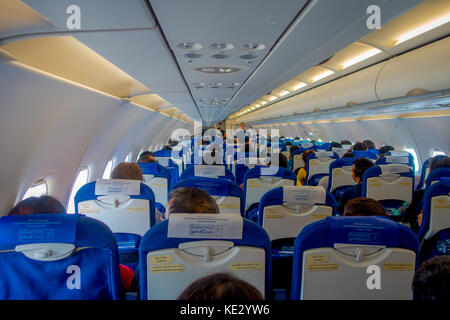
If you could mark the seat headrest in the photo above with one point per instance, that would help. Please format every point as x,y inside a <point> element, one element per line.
<point>214,186</point>
<point>211,171</point>
<point>394,168</point>
<point>445,181</point>
<point>304,194</point>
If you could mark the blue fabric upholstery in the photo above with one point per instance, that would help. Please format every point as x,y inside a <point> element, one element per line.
<point>90,273</point>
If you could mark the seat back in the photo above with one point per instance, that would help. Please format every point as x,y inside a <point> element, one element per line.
<point>318,164</point>
<point>409,161</point>
<point>173,167</point>
<point>260,179</point>
<point>228,195</point>
<point>436,174</point>
<point>436,209</point>
<point>285,211</point>
<point>391,184</point>
<point>125,206</point>
<point>159,179</point>
<point>364,154</point>
<point>344,258</point>
<point>57,257</point>
<point>208,171</point>
<point>186,247</point>
<point>297,158</point>
<point>424,173</point>
<point>340,176</point>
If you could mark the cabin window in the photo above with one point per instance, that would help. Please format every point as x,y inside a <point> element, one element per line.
<point>436,152</point>
<point>81,180</point>
<point>108,170</point>
<point>416,159</point>
<point>39,188</point>
<point>128,157</point>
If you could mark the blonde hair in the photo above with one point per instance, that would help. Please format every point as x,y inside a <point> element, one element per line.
<point>127,170</point>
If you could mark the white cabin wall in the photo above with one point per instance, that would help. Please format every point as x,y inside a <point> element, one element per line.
<point>51,127</point>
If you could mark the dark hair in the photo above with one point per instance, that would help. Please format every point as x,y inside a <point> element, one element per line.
<point>127,170</point>
<point>361,165</point>
<point>191,200</point>
<point>146,153</point>
<point>360,146</point>
<point>364,207</point>
<point>220,286</point>
<point>305,155</point>
<point>167,147</point>
<point>288,143</point>
<point>439,161</point>
<point>348,155</point>
<point>370,144</point>
<point>282,161</point>
<point>432,279</point>
<point>334,144</point>
<point>34,205</point>
<point>292,149</point>
<point>386,149</point>
<point>346,142</point>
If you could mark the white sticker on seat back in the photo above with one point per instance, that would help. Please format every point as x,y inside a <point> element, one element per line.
<point>117,187</point>
<point>393,159</point>
<point>304,194</point>
<point>164,161</point>
<point>209,226</point>
<point>210,171</point>
<point>393,168</point>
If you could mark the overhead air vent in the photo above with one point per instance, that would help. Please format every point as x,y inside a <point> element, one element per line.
<point>217,70</point>
<point>189,46</point>
<point>248,56</point>
<point>253,46</point>
<point>220,56</point>
<point>221,46</point>
<point>192,55</point>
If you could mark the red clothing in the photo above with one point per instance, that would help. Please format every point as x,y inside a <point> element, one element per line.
<point>126,274</point>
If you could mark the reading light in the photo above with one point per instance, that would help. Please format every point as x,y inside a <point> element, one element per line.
<point>322,75</point>
<point>427,27</point>
<point>299,86</point>
<point>263,102</point>
<point>361,57</point>
<point>272,98</point>
<point>283,93</point>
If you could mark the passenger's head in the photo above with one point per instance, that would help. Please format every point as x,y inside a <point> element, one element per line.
<point>334,144</point>
<point>346,142</point>
<point>360,165</point>
<point>288,143</point>
<point>432,279</point>
<point>291,150</point>
<point>370,144</point>
<point>364,207</point>
<point>190,200</point>
<point>282,160</point>
<point>147,156</point>
<point>348,155</point>
<point>386,149</point>
<point>127,170</point>
<point>243,126</point>
<point>167,147</point>
<point>220,286</point>
<point>439,161</point>
<point>35,205</point>
<point>360,146</point>
<point>305,155</point>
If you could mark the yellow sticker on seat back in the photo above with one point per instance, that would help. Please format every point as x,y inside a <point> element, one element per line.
<point>319,262</point>
<point>398,266</point>
<point>161,259</point>
<point>87,208</point>
<point>160,268</point>
<point>246,266</point>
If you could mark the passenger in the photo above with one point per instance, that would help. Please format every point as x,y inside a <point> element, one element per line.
<point>167,147</point>
<point>348,155</point>
<point>127,170</point>
<point>190,200</point>
<point>291,151</point>
<point>334,144</point>
<point>364,207</point>
<point>359,167</point>
<point>432,280</point>
<point>301,176</point>
<point>360,146</point>
<point>147,156</point>
<point>220,286</point>
<point>35,205</point>
<point>385,149</point>
<point>370,144</point>
<point>346,142</point>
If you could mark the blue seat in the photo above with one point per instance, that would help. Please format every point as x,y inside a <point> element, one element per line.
<point>334,259</point>
<point>229,196</point>
<point>436,209</point>
<point>435,175</point>
<point>196,171</point>
<point>57,257</point>
<point>317,166</point>
<point>173,167</point>
<point>340,177</point>
<point>364,154</point>
<point>159,179</point>
<point>388,159</point>
<point>259,180</point>
<point>128,214</point>
<point>391,184</point>
<point>187,247</point>
<point>424,173</point>
<point>297,159</point>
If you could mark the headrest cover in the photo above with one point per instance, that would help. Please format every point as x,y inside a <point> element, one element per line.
<point>363,231</point>
<point>211,171</point>
<point>209,226</point>
<point>393,168</point>
<point>304,194</point>
<point>320,154</point>
<point>395,159</point>
<point>445,181</point>
<point>42,228</point>
<point>306,145</point>
<point>164,161</point>
<point>117,187</point>
<point>399,153</point>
